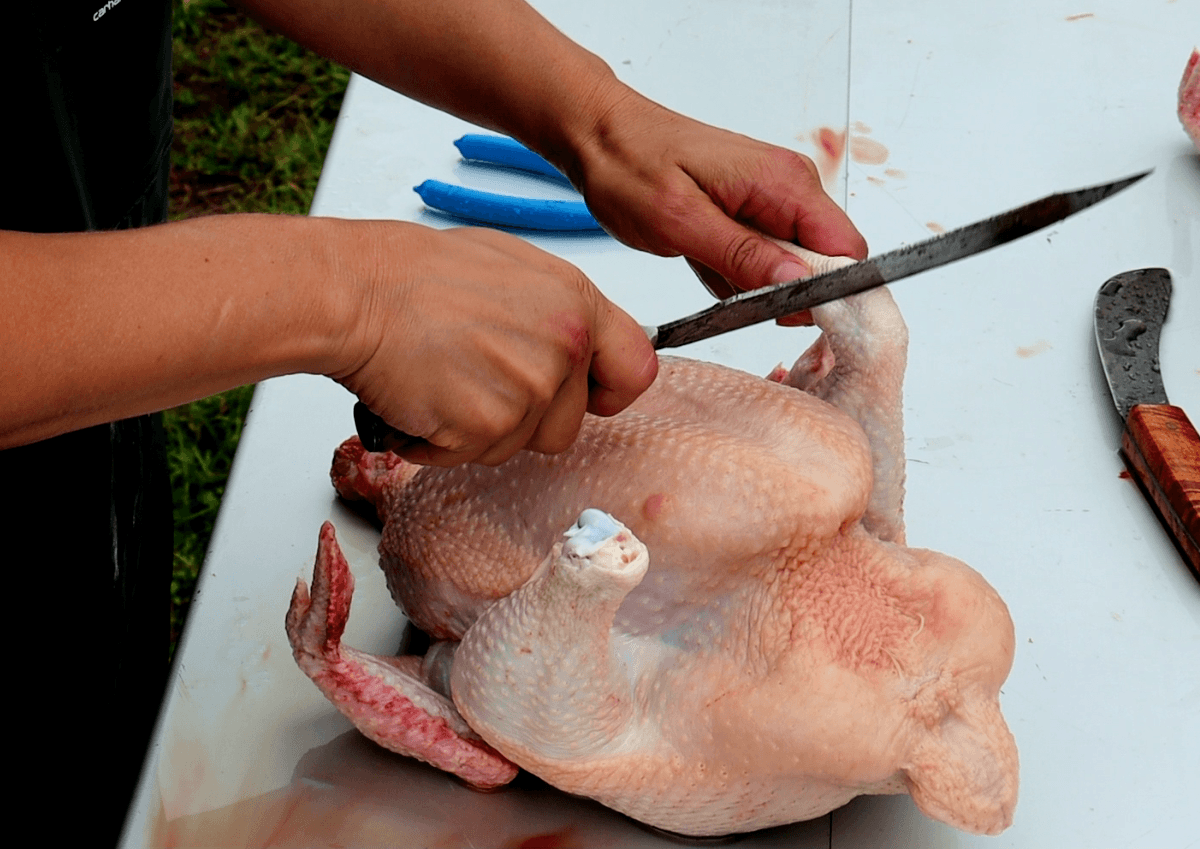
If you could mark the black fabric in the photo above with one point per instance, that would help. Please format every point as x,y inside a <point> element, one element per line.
<point>89,89</point>
<point>113,70</point>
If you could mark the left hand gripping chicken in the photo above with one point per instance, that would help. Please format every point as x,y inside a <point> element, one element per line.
<point>732,635</point>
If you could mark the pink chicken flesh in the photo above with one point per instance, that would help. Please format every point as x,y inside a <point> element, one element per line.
<point>1189,98</point>
<point>733,633</point>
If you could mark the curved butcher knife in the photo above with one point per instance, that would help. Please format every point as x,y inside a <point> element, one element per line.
<point>795,296</point>
<point>1159,443</point>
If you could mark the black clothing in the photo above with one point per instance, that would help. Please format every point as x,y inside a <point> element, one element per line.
<point>112,72</point>
<point>89,148</point>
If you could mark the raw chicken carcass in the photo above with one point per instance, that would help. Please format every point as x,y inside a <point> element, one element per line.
<point>733,635</point>
<point>1189,98</point>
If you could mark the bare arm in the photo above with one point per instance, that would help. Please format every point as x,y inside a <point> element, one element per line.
<point>99,326</point>
<point>657,180</point>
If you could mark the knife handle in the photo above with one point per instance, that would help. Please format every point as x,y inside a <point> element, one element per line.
<point>377,435</point>
<point>1162,450</point>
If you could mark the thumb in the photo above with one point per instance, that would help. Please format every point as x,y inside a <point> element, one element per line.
<point>624,363</point>
<point>743,256</point>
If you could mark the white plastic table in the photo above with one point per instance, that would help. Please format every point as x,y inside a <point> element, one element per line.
<point>923,117</point>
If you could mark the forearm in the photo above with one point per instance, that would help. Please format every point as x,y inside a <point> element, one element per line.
<point>100,326</point>
<point>497,63</point>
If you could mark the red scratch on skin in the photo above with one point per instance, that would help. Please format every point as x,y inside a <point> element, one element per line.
<point>579,340</point>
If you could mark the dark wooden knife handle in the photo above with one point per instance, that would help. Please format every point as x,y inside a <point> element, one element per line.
<point>1162,450</point>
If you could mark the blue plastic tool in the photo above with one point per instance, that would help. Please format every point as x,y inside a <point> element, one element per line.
<point>501,150</point>
<point>506,210</point>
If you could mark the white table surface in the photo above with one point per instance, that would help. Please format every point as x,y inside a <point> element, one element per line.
<point>974,107</point>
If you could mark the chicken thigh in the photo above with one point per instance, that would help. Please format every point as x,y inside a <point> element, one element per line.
<point>732,634</point>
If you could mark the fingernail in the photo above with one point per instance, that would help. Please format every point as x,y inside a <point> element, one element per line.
<point>789,270</point>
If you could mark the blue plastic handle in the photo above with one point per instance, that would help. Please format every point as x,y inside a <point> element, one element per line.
<point>505,210</point>
<point>501,150</point>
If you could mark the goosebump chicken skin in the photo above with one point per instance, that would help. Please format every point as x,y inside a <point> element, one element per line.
<point>733,634</point>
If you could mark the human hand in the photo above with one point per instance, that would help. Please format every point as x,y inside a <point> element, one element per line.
<point>667,184</point>
<point>482,345</point>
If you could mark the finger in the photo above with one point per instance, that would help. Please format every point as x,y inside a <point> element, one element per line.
<point>509,444</point>
<point>720,289</point>
<point>791,204</point>
<point>428,454</point>
<point>510,426</point>
<point>560,423</point>
<point>716,285</point>
<point>623,363</point>
<point>798,319</point>
<point>452,445</point>
<point>548,430</point>
<point>737,253</point>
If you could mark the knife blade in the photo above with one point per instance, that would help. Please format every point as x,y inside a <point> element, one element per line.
<point>783,299</point>
<point>1159,444</point>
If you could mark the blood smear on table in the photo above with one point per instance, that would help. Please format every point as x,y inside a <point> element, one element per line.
<point>1039,347</point>
<point>867,151</point>
<point>350,792</point>
<point>831,144</point>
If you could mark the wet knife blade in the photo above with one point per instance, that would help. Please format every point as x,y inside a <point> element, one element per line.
<point>783,299</point>
<point>1159,444</point>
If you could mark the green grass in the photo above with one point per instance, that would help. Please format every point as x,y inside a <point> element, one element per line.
<point>201,439</point>
<point>254,113</point>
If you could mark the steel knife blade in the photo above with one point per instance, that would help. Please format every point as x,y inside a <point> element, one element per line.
<point>1159,444</point>
<point>783,299</point>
